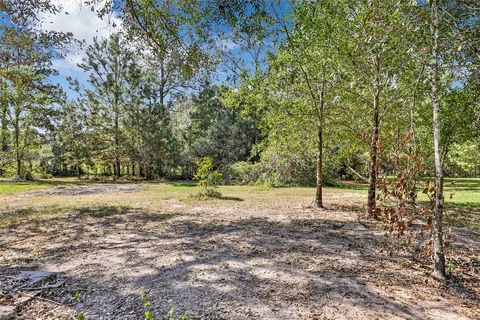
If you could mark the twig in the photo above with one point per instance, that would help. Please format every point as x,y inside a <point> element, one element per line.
<point>358,174</point>
<point>44,299</point>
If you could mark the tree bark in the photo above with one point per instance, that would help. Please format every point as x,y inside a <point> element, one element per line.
<point>4,129</point>
<point>319,193</point>
<point>373,170</point>
<point>438,248</point>
<point>117,145</point>
<point>18,158</point>
<point>162,81</point>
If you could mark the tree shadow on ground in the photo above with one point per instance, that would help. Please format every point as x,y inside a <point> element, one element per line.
<point>250,268</point>
<point>465,215</point>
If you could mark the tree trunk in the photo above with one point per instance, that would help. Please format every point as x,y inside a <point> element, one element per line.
<point>319,193</point>
<point>373,170</point>
<point>162,82</point>
<point>117,146</point>
<point>78,171</point>
<point>4,129</point>
<point>318,196</point>
<point>18,158</point>
<point>438,250</point>
<point>19,165</point>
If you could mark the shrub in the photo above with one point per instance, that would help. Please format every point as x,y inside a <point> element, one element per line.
<point>243,172</point>
<point>208,178</point>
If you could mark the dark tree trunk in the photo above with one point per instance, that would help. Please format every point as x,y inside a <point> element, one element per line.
<point>372,172</point>
<point>438,249</point>
<point>19,165</point>
<point>117,145</point>
<point>117,168</point>
<point>373,167</point>
<point>4,129</point>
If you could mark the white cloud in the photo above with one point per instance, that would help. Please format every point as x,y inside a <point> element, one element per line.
<point>84,24</point>
<point>80,20</point>
<point>226,44</point>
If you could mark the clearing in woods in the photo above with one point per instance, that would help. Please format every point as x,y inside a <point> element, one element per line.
<point>258,253</point>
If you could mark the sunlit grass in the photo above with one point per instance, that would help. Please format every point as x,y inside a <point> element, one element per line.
<point>462,197</point>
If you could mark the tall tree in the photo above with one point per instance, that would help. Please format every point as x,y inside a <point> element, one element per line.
<point>25,66</point>
<point>107,63</point>
<point>373,60</point>
<point>438,246</point>
<point>175,33</point>
<point>74,141</point>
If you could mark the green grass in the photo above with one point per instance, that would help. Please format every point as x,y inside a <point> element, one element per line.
<point>462,202</point>
<point>12,187</point>
<point>462,195</point>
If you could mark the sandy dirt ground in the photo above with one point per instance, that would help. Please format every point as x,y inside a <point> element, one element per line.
<point>271,258</point>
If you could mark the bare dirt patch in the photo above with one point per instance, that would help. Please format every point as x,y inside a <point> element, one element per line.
<point>84,190</point>
<point>272,259</point>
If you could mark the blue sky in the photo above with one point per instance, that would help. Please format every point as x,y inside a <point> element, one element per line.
<point>85,24</point>
<point>80,20</point>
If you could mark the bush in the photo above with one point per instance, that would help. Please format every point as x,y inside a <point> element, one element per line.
<point>243,172</point>
<point>274,171</point>
<point>208,179</point>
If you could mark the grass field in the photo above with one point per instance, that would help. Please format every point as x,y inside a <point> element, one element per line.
<point>462,195</point>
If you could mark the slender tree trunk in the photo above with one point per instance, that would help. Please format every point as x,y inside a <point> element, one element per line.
<point>4,130</point>
<point>18,158</point>
<point>116,105</point>
<point>373,170</point>
<point>319,193</point>
<point>19,164</point>
<point>3,135</point>
<point>117,145</point>
<point>78,170</point>
<point>438,250</point>
<point>162,81</point>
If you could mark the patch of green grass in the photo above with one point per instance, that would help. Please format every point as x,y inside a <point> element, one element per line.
<point>17,187</point>
<point>12,187</point>
<point>462,197</point>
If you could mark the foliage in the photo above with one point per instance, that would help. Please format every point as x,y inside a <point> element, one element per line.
<point>108,127</point>
<point>27,94</point>
<point>208,178</point>
<point>215,130</point>
<point>399,207</point>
